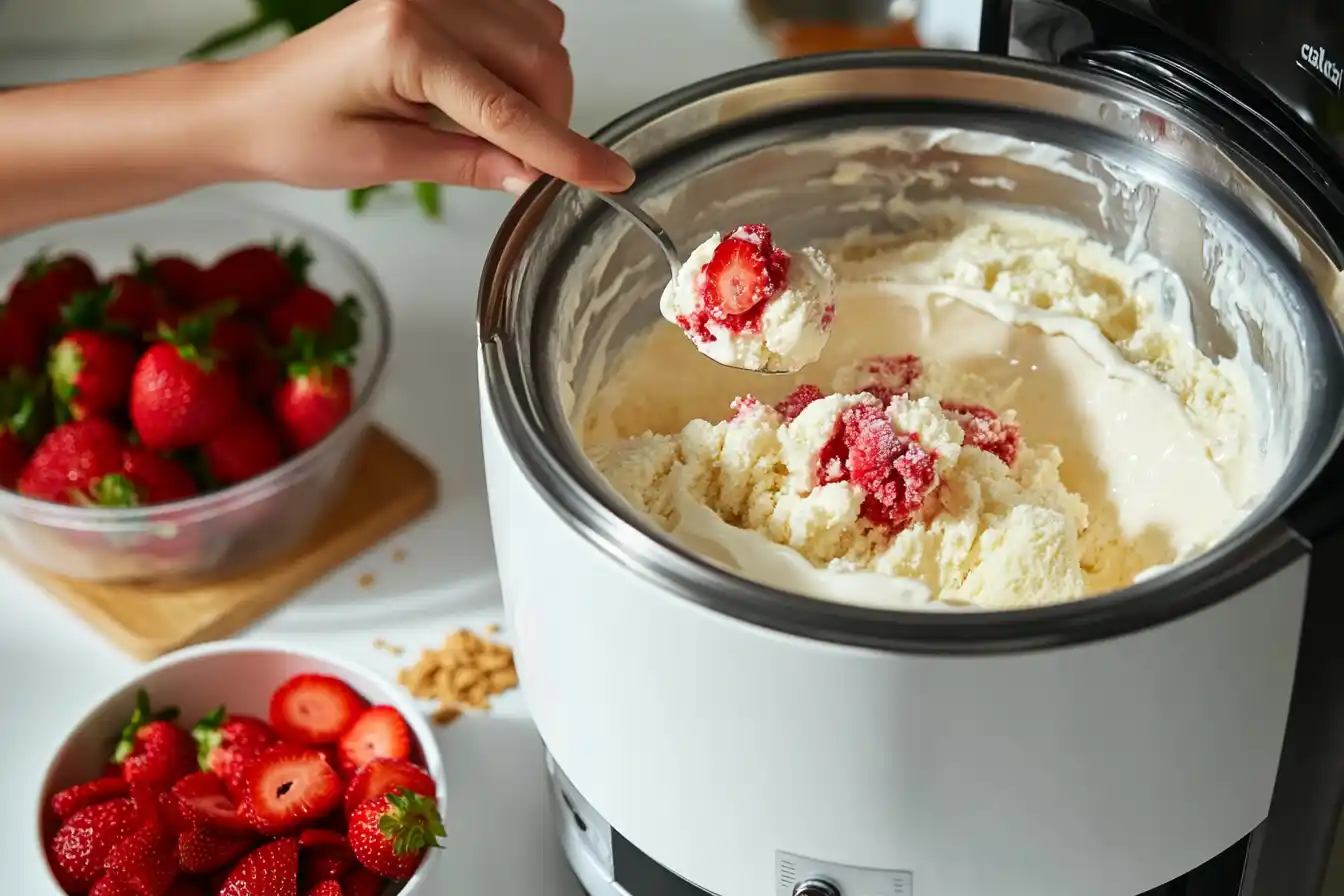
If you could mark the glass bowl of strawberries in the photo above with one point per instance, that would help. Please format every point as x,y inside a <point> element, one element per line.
<point>183,388</point>
<point>244,767</point>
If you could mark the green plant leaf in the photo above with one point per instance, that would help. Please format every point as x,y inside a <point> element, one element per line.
<point>427,195</point>
<point>358,200</point>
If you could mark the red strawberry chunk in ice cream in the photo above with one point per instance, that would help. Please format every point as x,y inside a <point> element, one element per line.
<point>986,430</point>
<point>894,471</point>
<point>797,401</point>
<point>744,273</point>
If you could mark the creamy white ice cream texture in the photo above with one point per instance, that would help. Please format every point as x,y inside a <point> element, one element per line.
<point>791,330</point>
<point>1135,447</point>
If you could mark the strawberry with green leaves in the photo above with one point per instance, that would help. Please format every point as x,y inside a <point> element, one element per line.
<point>310,310</point>
<point>391,834</point>
<point>21,424</point>
<point>153,750</point>
<point>90,374</point>
<point>256,276</point>
<point>182,390</point>
<point>146,477</point>
<point>226,743</point>
<point>71,459</point>
<point>176,275</point>
<point>317,393</point>
<point>124,305</point>
<point>49,283</point>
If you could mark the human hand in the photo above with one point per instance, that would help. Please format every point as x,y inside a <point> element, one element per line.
<point>359,100</point>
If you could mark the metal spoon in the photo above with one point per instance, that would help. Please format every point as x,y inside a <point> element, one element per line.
<point>626,206</point>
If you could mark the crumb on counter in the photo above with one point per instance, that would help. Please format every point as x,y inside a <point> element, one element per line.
<point>394,649</point>
<point>462,674</point>
<point>492,629</point>
<point>366,580</point>
<point>399,555</point>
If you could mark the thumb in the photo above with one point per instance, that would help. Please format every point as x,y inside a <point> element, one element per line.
<point>414,152</point>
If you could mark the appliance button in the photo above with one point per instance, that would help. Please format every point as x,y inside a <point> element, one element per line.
<point>816,887</point>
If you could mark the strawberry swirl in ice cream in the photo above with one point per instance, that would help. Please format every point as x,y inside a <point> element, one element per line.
<point>747,303</point>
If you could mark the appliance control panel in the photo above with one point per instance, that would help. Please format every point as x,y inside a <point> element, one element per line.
<point>797,875</point>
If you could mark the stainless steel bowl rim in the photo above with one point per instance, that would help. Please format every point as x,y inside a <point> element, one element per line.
<point>1256,550</point>
<point>112,519</point>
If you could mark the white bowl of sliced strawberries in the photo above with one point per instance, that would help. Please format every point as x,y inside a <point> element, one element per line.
<point>240,769</point>
<point>182,388</point>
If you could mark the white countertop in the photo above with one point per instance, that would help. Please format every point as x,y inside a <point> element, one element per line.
<point>52,667</point>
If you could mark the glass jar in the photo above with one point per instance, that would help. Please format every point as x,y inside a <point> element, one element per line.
<point>801,27</point>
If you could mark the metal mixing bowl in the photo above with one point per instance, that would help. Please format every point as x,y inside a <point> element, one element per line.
<point>764,144</point>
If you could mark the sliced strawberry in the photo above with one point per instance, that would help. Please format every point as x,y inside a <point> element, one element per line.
<point>331,753</point>
<point>205,803</point>
<point>737,277</point>
<point>379,733</point>
<point>80,847</point>
<point>289,787</point>
<point>382,776</point>
<point>72,799</point>
<point>327,888</point>
<point>201,851</point>
<point>272,869</point>
<point>314,709</point>
<point>363,882</point>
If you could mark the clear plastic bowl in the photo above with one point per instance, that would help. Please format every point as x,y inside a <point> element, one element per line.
<point>228,531</point>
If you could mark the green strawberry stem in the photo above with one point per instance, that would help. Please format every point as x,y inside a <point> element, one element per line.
<point>21,406</point>
<point>411,822</point>
<point>207,736</point>
<point>298,258</point>
<point>191,336</point>
<point>140,717</point>
<point>115,490</point>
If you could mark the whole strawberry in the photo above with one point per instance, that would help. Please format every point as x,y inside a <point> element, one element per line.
<point>256,276</point>
<point>100,790</point>
<point>91,373</point>
<point>247,447</point>
<point>71,459</point>
<point>48,284</point>
<point>271,869</point>
<point>152,749</point>
<point>125,304</point>
<point>20,343</point>
<point>391,834</point>
<point>145,859</point>
<point>306,308</point>
<point>225,744</point>
<point>178,276</point>
<point>360,881</point>
<point>21,425</point>
<point>311,402</point>
<point>182,392</point>
<point>80,847</point>
<point>146,477</point>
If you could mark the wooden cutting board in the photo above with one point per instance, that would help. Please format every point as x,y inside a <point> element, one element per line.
<point>389,489</point>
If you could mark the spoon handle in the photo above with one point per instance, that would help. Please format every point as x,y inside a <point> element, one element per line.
<point>627,206</point>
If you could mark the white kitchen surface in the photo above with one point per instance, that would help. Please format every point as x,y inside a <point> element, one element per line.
<point>52,667</point>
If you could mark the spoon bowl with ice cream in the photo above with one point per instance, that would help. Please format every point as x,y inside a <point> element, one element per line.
<point>744,301</point>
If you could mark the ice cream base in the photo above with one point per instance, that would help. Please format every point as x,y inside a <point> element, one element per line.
<point>1153,436</point>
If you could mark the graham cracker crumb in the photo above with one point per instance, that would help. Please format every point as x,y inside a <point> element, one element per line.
<point>394,649</point>
<point>462,674</point>
<point>366,580</point>
<point>492,629</point>
<point>398,555</point>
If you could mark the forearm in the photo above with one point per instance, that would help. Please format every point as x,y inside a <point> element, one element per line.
<point>91,147</point>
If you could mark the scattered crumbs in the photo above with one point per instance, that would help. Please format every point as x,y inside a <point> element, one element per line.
<point>492,629</point>
<point>398,555</point>
<point>366,580</point>
<point>394,649</point>
<point>462,674</point>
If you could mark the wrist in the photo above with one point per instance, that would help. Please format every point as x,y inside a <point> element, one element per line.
<point>211,103</point>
